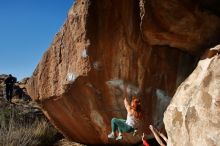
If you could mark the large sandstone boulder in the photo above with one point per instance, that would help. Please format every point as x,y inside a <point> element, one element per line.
<point>149,45</point>
<point>193,116</point>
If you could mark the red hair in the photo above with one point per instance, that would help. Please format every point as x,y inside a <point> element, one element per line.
<point>136,107</point>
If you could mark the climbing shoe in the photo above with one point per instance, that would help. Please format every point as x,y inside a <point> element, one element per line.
<point>119,137</point>
<point>111,135</point>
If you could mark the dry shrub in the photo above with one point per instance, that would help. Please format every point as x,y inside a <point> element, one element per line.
<point>16,132</point>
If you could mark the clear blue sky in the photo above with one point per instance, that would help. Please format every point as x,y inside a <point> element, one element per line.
<point>27,28</point>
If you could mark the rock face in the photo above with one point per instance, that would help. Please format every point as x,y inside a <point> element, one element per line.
<point>149,44</point>
<point>192,118</point>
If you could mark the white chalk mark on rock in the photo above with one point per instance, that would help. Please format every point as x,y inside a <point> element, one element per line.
<point>71,77</point>
<point>84,53</point>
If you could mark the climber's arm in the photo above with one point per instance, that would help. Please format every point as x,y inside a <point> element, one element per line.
<point>156,135</point>
<point>161,134</point>
<point>144,141</point>
<point>127,106</point>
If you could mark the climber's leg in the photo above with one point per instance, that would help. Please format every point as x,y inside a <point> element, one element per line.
<point>114,127</point>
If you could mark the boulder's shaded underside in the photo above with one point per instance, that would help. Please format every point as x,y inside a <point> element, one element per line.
<point>149,44</point>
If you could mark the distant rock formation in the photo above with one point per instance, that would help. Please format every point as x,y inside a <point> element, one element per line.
<point>193,116</point>
<point>2,79</point>
<point>148,44</point>
<point>19,88</point>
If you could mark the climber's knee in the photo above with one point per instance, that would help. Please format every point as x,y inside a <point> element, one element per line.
<point>114,120</point>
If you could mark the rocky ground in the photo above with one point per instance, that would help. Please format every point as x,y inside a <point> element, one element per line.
<point>23,123</point>
<point>28,113</point>
<point>65,142</point>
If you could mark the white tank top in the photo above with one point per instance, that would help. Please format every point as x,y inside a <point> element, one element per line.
<point>131,121</point>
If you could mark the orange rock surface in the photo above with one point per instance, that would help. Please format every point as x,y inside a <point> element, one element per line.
<point>150,44</point>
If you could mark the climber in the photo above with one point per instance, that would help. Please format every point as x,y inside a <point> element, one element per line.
<point>134,115</point>
<point>158,136</point>
<point>9,82</point>
<point>144,141</point>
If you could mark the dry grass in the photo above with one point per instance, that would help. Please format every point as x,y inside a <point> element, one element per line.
<point>14,131</point>
<point>66,142</point>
